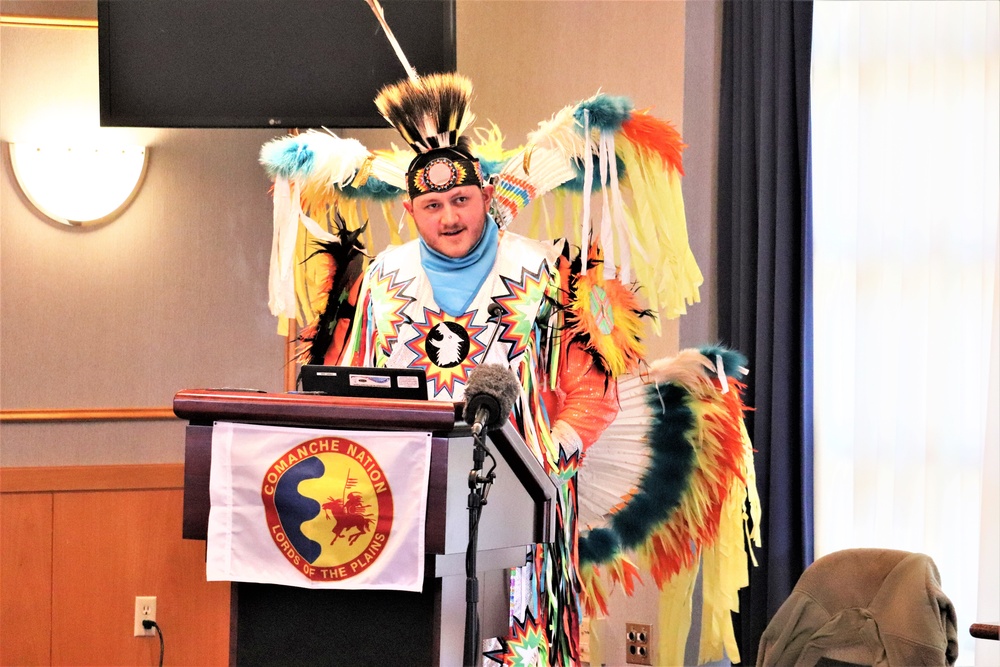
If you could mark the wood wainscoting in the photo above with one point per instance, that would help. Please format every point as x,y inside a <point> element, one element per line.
<point>78,544</point>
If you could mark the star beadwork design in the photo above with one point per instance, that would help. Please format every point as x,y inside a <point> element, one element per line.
<point>387,290</point>
<point>527,646</point>
<point>520,306</point>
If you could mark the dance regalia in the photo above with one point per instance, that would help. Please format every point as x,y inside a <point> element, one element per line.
<point>661,487</point>
<point>399,324</point>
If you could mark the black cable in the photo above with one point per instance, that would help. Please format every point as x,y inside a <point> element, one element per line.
<point>148,625</point>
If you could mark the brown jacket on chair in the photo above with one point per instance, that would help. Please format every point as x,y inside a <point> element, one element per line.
<point>864,607</point>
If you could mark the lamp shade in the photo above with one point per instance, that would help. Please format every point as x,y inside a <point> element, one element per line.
<point>78,185</point>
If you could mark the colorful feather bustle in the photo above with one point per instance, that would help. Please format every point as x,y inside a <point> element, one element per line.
<point>676,466</point>
<point>687,506</point>
<point>319,178</point>
<point>657,220</point>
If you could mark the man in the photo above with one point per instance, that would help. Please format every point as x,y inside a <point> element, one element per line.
<point>467,293</point>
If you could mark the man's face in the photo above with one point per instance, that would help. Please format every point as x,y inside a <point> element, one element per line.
<point>451,222</point>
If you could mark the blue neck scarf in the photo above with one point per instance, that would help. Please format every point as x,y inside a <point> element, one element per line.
<point>456,280</point>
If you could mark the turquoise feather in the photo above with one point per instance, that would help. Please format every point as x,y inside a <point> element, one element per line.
<point>606,112</point>
<point>733,361</point>
<point>373,190</point>
<point>287,158</point>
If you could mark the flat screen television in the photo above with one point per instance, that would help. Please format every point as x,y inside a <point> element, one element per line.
<point>261,63</point>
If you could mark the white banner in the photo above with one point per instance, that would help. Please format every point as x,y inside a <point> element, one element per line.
<point>318,508</point>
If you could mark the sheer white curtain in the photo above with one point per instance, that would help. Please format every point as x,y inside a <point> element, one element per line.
<point>906,202</point>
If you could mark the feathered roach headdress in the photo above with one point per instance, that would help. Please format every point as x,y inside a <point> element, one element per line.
<point>431,113</point>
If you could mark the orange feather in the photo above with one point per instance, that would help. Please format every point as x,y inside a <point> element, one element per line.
<point>653,135</point>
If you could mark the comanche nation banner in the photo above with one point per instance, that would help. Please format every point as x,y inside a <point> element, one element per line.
<point>318,508</point>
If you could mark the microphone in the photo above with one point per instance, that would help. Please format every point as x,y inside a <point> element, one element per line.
<point>489,396</point>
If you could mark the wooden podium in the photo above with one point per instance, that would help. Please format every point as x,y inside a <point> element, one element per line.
<point>282,625</point>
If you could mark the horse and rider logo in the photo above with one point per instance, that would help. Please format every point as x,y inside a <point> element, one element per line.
<point>348,515</point>
<point>329,507</point>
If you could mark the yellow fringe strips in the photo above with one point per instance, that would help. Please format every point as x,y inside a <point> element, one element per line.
<point>674,615</point>
<point>394,238</point>
<point>550,233</point>
<point>657,221</point>
<point>709,524</point>
<point>725,567</point>
<point>595,654</point>
<point>366,219</point>
<point>349,212</point>
<point>535,227</point>
<point>309,278</point>
<point>724,574</point>
<point>577,204</point>
<point>559,217</point>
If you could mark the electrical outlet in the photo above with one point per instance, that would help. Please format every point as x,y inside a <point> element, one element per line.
<point>145,610</point>
<point>638,640</point>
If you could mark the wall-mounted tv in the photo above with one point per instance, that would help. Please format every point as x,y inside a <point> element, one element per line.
<point>261,63</point>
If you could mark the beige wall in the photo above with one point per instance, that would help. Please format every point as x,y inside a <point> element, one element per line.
<point>702,76</point>
<point>172,294</point>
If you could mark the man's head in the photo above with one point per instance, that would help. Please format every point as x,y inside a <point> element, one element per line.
<point>449,197</point>
<point>451,222</point>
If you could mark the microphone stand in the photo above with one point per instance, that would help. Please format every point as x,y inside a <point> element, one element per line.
<point>479,489</point>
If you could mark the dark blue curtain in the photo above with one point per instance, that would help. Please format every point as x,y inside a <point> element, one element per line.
<point>763,279</point>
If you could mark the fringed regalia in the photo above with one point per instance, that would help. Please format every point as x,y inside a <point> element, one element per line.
<point>651,459</point>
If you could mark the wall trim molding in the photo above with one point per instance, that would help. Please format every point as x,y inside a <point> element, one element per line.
<point>14,21</point>
<point>86,414</point>
<point>92,478</point>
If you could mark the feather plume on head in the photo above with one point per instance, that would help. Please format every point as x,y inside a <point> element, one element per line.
<point>431,113</point>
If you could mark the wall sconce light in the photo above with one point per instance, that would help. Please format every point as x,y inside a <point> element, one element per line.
<point>78,185</point>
